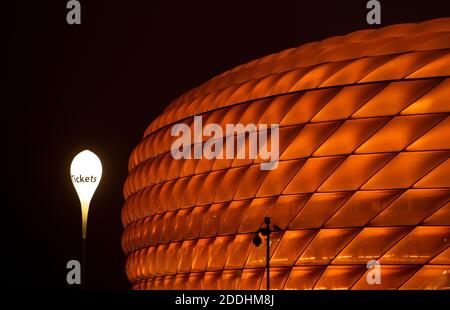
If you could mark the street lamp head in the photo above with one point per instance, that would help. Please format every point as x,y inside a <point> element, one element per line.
<point>265,231</point>
<point>257,240</point>
<point>85,172</point>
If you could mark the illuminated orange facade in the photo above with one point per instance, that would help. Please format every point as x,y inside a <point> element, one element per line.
<point>363,173</point>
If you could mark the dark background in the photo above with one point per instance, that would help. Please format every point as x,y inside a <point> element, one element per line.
<point>98,86</point>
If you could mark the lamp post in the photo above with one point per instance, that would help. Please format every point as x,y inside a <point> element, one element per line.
<point>266,231</point>
<point>85,172</point>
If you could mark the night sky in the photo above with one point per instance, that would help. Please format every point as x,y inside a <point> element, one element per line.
<point>98,86</point>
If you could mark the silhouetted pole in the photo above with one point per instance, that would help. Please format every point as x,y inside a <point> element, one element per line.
<point>83,264</point>
<point>268,255</point>
<point>267,221</point>
<point>266,231</point>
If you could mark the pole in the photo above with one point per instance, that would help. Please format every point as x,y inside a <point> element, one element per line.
<point>268,259</point>
<point>83,265</point>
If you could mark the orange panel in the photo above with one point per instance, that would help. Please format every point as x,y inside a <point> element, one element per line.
<point>250,182</point>
<point>195,222</point>
<point>214,116</point>
<point>429,278</point>
<point>211,281</point>
<point>438,138</point>
<point>232,216</point>
<point>370,244</point>
<point>233,115</point>
<point>241,92</point>
<point>419,246</point>
<point>438,67</point>
<point>196,281</point>
<point>276,180</point>
<point>168,227</point>
<point>219,252</point>
<point>142,203</point>
<point>401,66</point>
<point>394,98</point>
<point>354,172</point>
<point>201,254</point>
<point>349,136</point>
<point>443,258</point>
<point>255,214</point>
<point>168,282</point>
<point>155,231</point>
<point>255,110</point>
<point>347,101</point>
<point>361,208</point>
<point>307,105</point>
<point>204,165</point>
<point>158,283</point>
<point>286,208</point>
<point>226,192</point>
<point>288,79</point>
<point>188,167</point>
<point>291,245</point>
<point>339,277</point>
<point>181,224</point>
<point>171,264</point>
<point>178,192</point>
<point>355,71</point>
<point>399,133</point>
<point>164,195</point>
<point>162,168</point>
<point>319,208</point>
<point>325,245</point>
<point>251,279</point>
<point>440,217</point>
<point>212,219</point>
<point>240,248</point>
<point>317,75</point>
<point>435,101</point>
<point>309,139</point>
<point>278,108</point>
<point>191,190</point>
<point>147,241</point>
<point>154,198</point>
<point>230,279</point>
<point>438,177</point>
<point>207,191</point>
<point>185,255</point>
<point>264,86</point>
<point>175,168</point>
<point>392,277</point>
<point>412,207</point>
<point>303,278</point>
<point>405,169</point>
<point>159,265</point>
<point>278,277</point>
<point>312,174</point>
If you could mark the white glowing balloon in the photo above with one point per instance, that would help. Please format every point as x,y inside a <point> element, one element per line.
<point>86,172</point>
